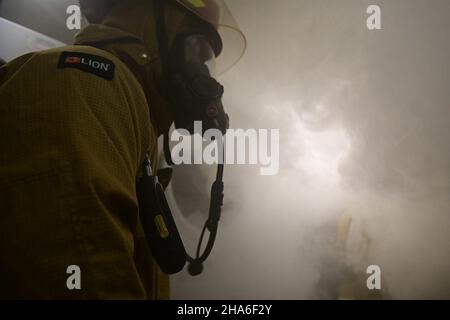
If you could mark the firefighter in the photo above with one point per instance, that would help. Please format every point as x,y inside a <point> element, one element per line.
<point>76,123</point>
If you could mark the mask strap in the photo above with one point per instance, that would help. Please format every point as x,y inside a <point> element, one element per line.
<point>212,224</point>
<point>167,153</point>
<point>161,33</point>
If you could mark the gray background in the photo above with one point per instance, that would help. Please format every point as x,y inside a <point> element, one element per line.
<point>45,16</point>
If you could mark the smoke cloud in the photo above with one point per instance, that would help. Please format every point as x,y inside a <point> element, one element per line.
<point>364,175</point>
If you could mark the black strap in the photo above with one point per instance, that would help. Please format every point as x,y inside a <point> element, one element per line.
<point>167,149</point>
<point>161,33</point>
<point>212,224</point>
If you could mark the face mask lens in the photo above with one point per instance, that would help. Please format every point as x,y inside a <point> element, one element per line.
<point>197,49</point>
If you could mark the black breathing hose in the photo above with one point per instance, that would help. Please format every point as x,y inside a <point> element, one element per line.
<point>212,224</point>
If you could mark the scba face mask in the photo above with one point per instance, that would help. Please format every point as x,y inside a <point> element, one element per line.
<point>196,58</point>
<point>195,94</point>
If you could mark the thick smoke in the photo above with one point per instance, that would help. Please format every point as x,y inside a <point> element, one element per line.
<point>364,177</point>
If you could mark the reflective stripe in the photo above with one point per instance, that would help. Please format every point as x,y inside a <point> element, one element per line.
<point>161,225</point>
